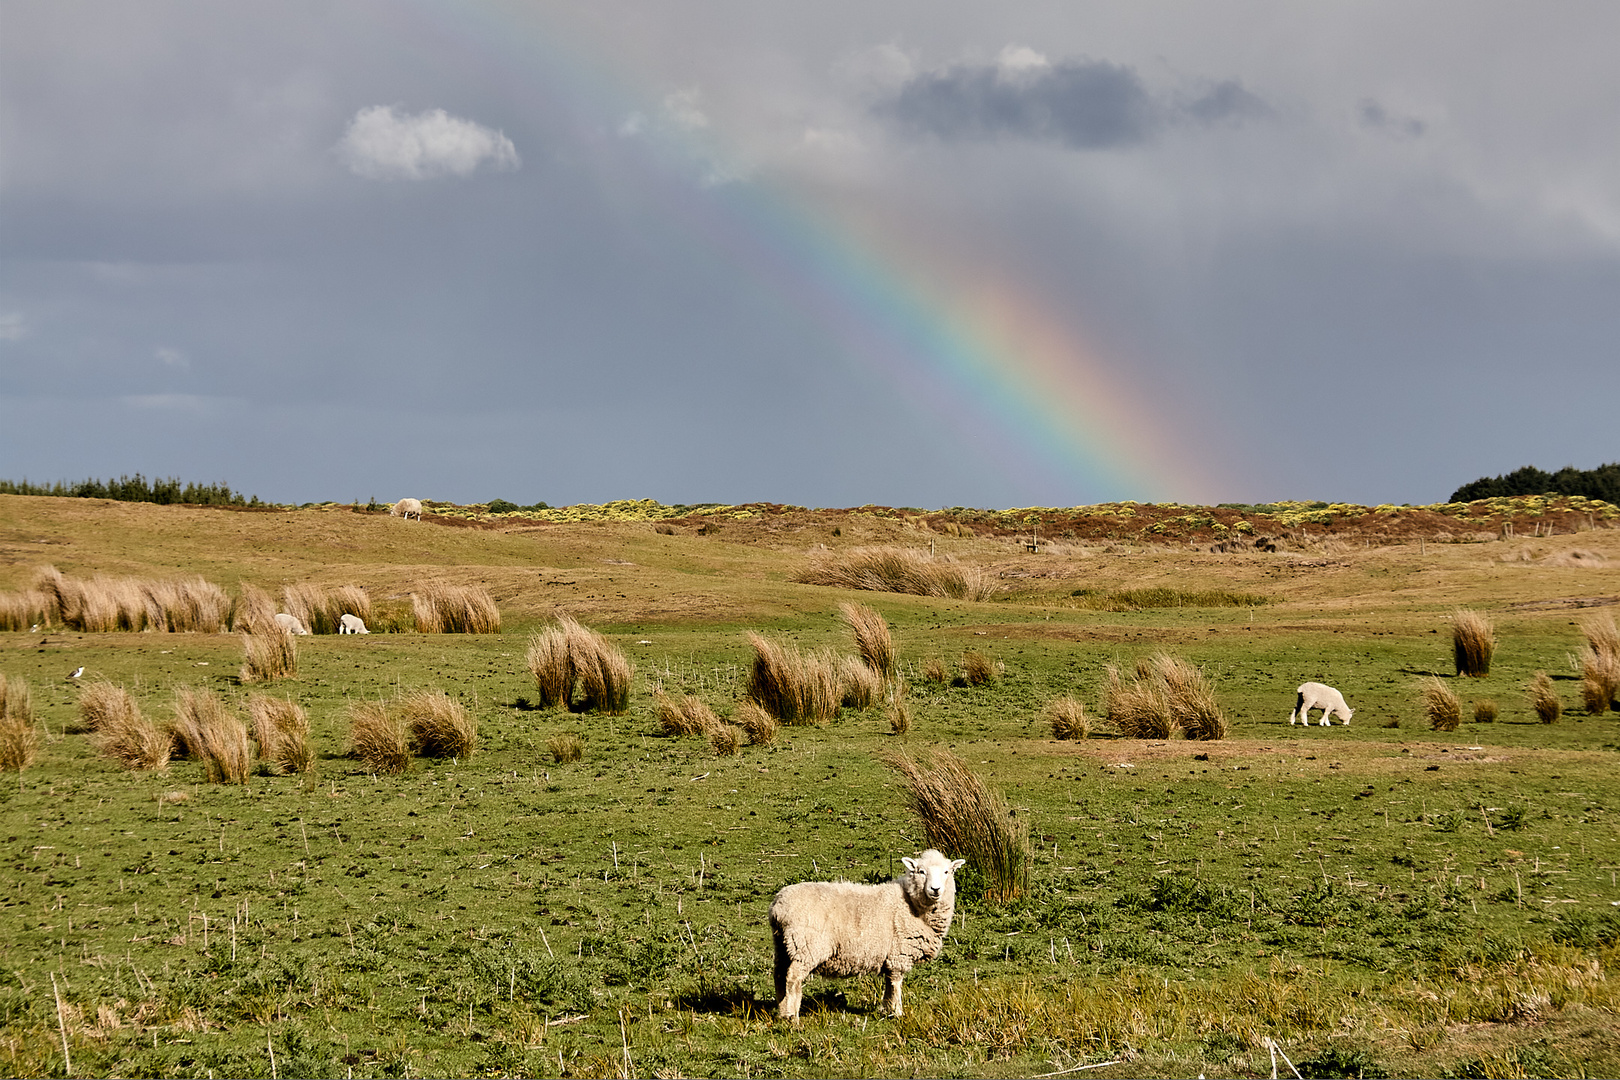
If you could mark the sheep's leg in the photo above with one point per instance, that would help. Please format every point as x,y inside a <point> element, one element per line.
<point>792,984</point>
<point>891,994</point>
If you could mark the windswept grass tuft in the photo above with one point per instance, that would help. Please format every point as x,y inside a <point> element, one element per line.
<point>1168,694</point>
<point>378,738</point>
<point>1441,705</point>
<point>440,608</point>
<point>570,655</point>
<point>1600,666</point>
<point>553,671</point>
<point>873,641</point>
<point>1544,699</point>
<point>759,725</point>
<point>1485,711</point>
<point>962,815</point>
<point>269,654</point>
<point>898,570</point>
<point>794,687</point>
<point>565,749</point>
<point>320,607</point>
<point>935,671</point>
<point>724,739</point>
<point>19,738</point>
<point>440,726</point>
<point>23,610</point>
<point>106,604</point>
<point>207,729</point>
<point>1068,718</point>
<point>1473,640</point>
<point>119,731</point>
<point>862,687</point>
<point>977,669</point>
<point>255,611</point>
<point>281,731</point>
<point>687,716</point>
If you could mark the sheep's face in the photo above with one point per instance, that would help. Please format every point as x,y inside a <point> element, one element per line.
<point>931,875</point>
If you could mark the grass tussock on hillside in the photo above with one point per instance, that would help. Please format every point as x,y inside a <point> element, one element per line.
<point>793,686</point>
<point>207,729</point>
<point>105,604</point>
<point>962,815</point>
<point>269,654</point>
<point>1166,695</point>
<point>874,642</point>
<point>119,731</point>
<point>377,737</point>
<point>1600,666</point>
<point>280,730</point>
<point>439,608</point>
<point>19,736</point>
<point>569,656</point>
<point>22,610</point>
<point>897,570</point>
<point>1473,641</point>
<point>439,725</point>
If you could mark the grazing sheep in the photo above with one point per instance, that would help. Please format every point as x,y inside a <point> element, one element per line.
<point>289,624</point>
<point>840,928</point>
<point>1315,695</point>
<point>405,508</point>
<point>351,624</point>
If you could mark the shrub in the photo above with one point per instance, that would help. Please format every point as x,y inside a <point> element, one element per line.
<point>440,726</point>
<point>793,687</point>
<point>724,739</point>
<point>873,641</point>
<point>269,654</point>
<point>962,815</point>
<point>688,716</point>
<point>281,731</point>
<point>861,686</point>
<point>455,609</point>
<point>1473,639</point>
<point>1441,705</point>
<point>19,738</point>
<point>977,669</point>
<point>205,728</point>
<point>897,570</point>
<point>1068,718</point>
<point>1485,711</point>
<point>1544,698</point>
<point>378,739</point>
<point>565,748</point>
<point>759,725</point>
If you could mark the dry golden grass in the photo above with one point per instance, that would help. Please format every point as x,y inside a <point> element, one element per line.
<point>439,608</point>
<point>439,725</point>
<point>605,674</point>
<point>759,725</point>
<point>320,607</point>
<point>186,606</point>
<point>1441,705</point>
<point>378,738</point>
<point>1544,699</point>
<point>862,687</point>
<point>281,731</point>
<point>255,611</point>
<point>119,731</point>
<point>23,610</point>
<point>19,738</point>
<point>1067,717</point>
<point>207,729</point>
<point>724,739</point>
<point>268,655</point>
<point>897,570</point>
<point>1485,711</point>
<point>873,641</point>
<point>1138,708</point>
<point>899,715</point>
<point>1191,698</point>
<point>935,671</point>
<point>1167,695</point>
<point>1473,640</point>
<point>107,604</point>
<point>962,815</point>
<point>63,596</point>
<point>102,702</point>
<point>686,716</point>
<point>794,687</point>
<point>565,749</point>
<point>977,669</point>
<point>553,671</point>
<point>1600,666</point>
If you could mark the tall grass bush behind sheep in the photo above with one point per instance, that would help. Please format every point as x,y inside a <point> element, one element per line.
<point>898,570</point>
<point>1473,640</point>
<point>861,686</point>
<point>685,716</point>
<point>962,814</point>
<point>551,667</point>
<point>1440,705</point>
<point>207,729</point>
<point>1067,717</point>
<point>759,725</point>
<point>19,737</point>
<point>1544,700</point>
<point>1191,698</point>
<point>378,739</point>
<point>119,731</point>
<point>254,611</point>
<point>281,731</point>
<point>269,654</point>
<point>873,640</point>
<point>605,674</point>
<point>320,607</point>
<point>439,725</point>
<point>23,610</point>
<point>1139,708</point>
<point>440,608</point>
<point>794,687</point>
<point>186,606</point>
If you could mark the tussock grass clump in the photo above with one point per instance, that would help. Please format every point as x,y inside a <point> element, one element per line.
<point>1544,699</point>
<point>119,731</point>
<point>19,738</point>
<point>281,731</point>
<point>568,656</point>
<point>107,604</point>
<point>794,687</point>
<point>1192,699</point>
<point>207,729</point>
<point>1068,718</point>
<point>935,671</point>
<point>377,738</point>
<point>687,716</point>
<point>23,610</point>
<point>552,670</point>
<point>254,612</point>
<point>963,815</point>
<point>862,686</point>
<point>759,725</point>
<point>1160,597</point>
<point>1473,640</point>
<point>873,641</point>
<point>439,725</point>
<point>565,749</point>
<point>977,669</point>
<point>1485,711</point>
<point>455,609</point>
<point>1138,708</point>
<point>186,606</point>
<point>724,739</point>
<point>269,654</point>
<point>1167,694</point>
<point>1441,705</point>
<point>899,715</point>
<point>1600,666</point>
<point>897,570</point>
<point>321,607</point>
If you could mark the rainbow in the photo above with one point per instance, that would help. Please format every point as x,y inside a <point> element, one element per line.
<point>982,350</point>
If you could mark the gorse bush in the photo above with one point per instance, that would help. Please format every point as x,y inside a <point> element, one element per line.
<point>119,731</point>
<point>1473,640</point>
<point>1544,699</point>
<point>962,815</point>
<point>206,729</point>
<point>281,731</point>
<point>897,570</point>
<point>1441,705</point>
<point>19,737</point>
<point>439,608</point>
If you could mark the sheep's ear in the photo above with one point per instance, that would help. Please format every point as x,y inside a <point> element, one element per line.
<point>911,864</point>
<point>958,864</point>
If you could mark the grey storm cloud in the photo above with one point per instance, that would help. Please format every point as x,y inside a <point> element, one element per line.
<point>1082,104</point>
<point>1375,116</point>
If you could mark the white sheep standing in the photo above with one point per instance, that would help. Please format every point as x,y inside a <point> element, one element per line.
<point>405,508</point>
<point>1315,695</point>
<point>289,624</point>
<point>351,624</point>
<point>839,928</point>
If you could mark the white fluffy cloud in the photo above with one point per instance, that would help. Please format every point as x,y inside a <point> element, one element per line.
<point>382,144</point>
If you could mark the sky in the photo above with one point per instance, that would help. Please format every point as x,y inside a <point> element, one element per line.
<point>927,254</point>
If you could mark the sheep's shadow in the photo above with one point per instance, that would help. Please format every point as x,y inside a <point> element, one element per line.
<point>725,1001</point>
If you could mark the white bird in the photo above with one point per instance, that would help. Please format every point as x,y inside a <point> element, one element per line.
<point>76,672</point>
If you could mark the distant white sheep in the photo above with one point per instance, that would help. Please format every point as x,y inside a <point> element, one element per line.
<point>289,624</point>
<point>1315,695</point>
<point>405,508</point>
<point>351,624</point>
<point>839,928</point>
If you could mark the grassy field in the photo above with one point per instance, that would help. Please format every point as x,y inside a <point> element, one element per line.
<point>1376,899</point>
